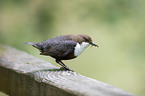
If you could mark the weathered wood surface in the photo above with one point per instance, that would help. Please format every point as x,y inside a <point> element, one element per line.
<point>24,75</point>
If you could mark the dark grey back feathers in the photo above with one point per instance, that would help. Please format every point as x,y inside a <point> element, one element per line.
<point>58,47</point>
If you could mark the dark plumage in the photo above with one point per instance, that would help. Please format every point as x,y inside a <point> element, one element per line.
<point>63,47</point>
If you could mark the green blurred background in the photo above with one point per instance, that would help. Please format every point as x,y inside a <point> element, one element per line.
<point>117,26</point>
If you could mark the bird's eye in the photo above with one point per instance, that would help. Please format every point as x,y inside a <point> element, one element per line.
<point>85,38</point>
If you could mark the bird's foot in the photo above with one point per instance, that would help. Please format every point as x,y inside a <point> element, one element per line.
<point>65,69</point>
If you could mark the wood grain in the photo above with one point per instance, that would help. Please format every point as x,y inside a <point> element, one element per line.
<point>25,75</point>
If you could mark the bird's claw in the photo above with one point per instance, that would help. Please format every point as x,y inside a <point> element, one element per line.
<point>65,69</point>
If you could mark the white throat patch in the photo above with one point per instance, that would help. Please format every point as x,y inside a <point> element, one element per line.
<point>80,48</point>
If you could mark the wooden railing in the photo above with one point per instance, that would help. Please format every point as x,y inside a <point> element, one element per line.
<point>24,75</point>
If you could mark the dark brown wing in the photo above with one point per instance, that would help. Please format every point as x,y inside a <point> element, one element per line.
<point>51,42</point>
<point>63,50</point>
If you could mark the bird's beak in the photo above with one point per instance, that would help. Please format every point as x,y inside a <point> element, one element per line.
<point>93,44</point>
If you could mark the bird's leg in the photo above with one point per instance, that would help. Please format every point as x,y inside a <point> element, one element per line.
<point>62,64</point>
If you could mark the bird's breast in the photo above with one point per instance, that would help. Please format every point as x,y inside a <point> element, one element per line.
<point>79,48</point>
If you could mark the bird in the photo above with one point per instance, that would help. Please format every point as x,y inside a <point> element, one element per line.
<point>64,47</point>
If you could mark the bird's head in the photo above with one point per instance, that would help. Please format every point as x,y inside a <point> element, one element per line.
<point>85,38</point>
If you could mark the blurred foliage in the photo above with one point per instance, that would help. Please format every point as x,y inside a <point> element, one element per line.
<point>117,26</point>
<point>3,94</point>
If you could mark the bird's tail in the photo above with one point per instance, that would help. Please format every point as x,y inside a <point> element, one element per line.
<point>29,43</point>
<point>34,45</point>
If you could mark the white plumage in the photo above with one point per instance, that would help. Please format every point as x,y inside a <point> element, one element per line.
<point>80,48</point>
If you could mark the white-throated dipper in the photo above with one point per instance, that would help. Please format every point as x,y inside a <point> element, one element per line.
<point>64,47</point>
